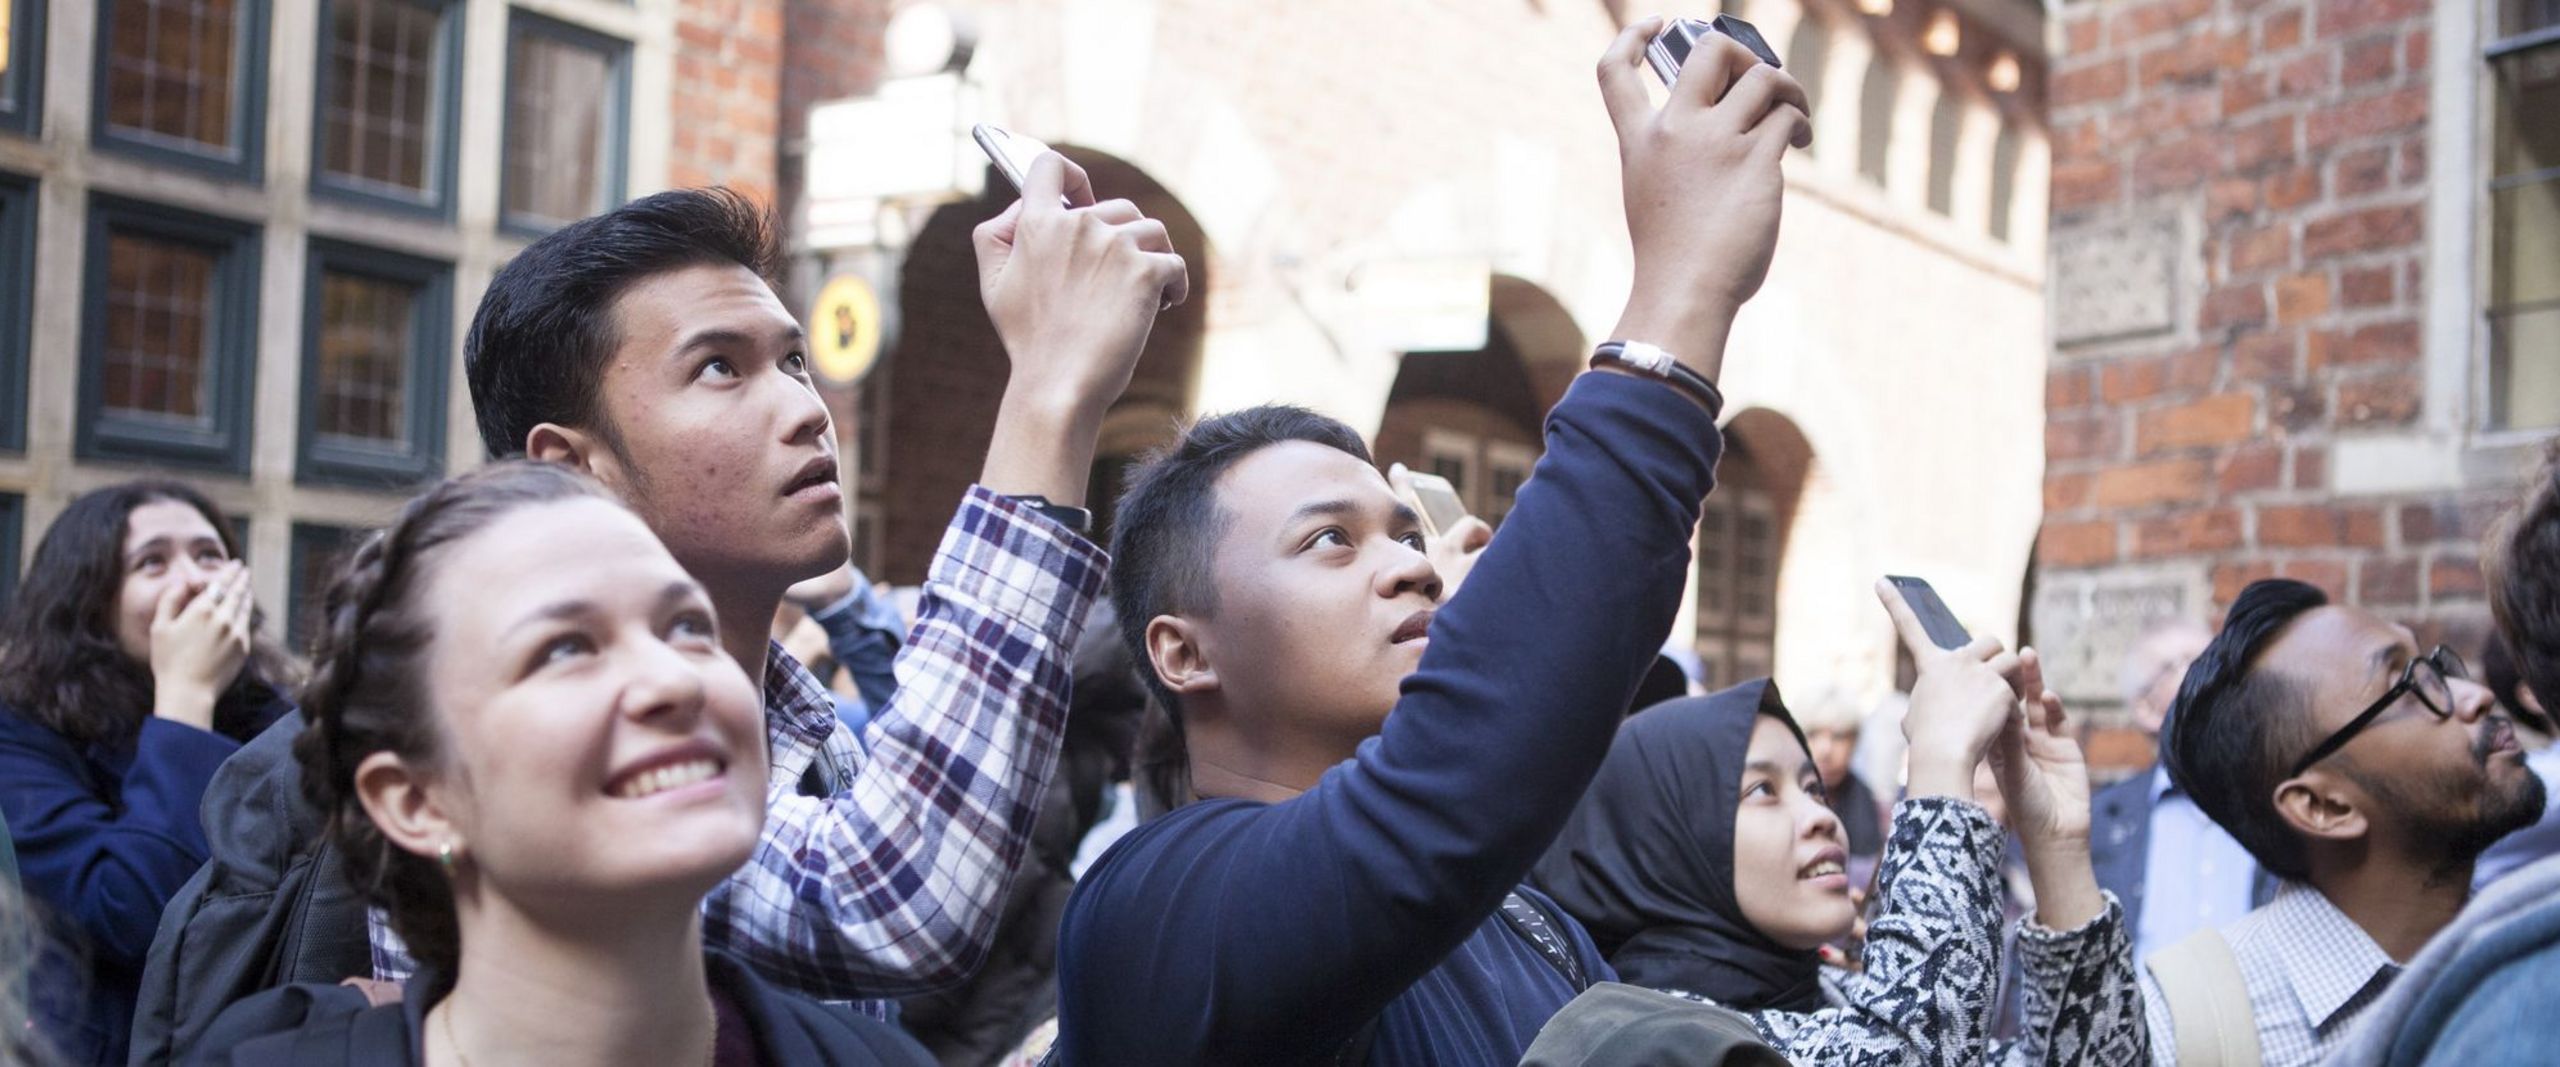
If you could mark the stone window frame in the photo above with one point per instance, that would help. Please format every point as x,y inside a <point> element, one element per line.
<point>320,460</point>
<point>224,447</point>
<point>2449,449</point>
<point>249,105</point>
<point>309,540</point>
<point>437,201</point>
<point>616,174</point>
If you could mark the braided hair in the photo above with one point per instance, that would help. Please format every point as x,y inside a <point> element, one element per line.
<point>367,691</point>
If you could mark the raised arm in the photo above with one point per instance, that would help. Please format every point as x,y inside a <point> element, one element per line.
<point>1323,908</point>
<point>895,883</point>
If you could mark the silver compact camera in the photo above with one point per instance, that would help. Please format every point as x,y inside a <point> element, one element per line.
<point>1672,46</point>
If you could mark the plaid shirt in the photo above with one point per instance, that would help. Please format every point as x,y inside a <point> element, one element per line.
<point>893,882</point>
<point>2310,969</point>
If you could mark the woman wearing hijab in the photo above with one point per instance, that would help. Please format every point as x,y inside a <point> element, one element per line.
<point>1704,861</point>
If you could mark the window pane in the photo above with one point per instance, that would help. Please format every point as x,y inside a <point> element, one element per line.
<point>1875,120</point>
<point>169,69</point>
<point>2528,92</point>
<point>1807,52</point>
<point>2524,242</point>
<point>8,85</point>
<point>2004,180</point>
<point>367,326</point>
<point>383,68</point>
<point>559,100</point>
<point>160,328</point>
<point>1946,127</point>
<point>2525,16</point>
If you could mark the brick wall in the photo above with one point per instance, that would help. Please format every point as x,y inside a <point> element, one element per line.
<point>2279,152</point>
<point>728,77</point>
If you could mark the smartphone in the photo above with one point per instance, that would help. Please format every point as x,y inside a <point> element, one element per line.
<point>1679,37</point>
<point>1011,153</point>
<point>1437,500</point>
<point>1944,631</point>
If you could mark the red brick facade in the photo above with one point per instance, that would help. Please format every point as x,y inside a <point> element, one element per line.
<point>2284,144</point>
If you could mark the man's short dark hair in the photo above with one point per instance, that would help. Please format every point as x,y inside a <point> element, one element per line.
<point>2234,731</point>
<point>2523,568</point>
<point>1165,534</point>
<point>539,343</point>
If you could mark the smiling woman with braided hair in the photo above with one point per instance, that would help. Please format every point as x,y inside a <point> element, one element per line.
<point>536,758</point>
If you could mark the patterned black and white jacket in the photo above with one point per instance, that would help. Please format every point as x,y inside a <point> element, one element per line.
<point>1932,977</point>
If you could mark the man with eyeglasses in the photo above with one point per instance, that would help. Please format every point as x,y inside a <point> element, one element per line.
<point>2365,772</point>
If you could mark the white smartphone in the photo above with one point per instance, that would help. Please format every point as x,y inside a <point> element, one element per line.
<point>1437,500</point>
<point>1011,153</point>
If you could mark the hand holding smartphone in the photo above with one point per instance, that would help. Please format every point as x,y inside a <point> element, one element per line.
<point>1011,153</point>
<point>1943,629</point>
<point>1679,37</point>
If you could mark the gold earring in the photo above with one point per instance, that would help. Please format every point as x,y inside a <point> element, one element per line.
<point>444,856</point>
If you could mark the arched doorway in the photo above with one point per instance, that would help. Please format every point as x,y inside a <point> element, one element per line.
<point>929,408</point>
<point>1475,417</point>
<point>1742,541</point>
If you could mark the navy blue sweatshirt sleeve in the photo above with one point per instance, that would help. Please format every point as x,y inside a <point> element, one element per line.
<point>1236,932</point>
<point>108,861</point>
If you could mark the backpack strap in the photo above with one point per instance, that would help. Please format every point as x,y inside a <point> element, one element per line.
<point>2208,1002</point>
<point>1530,920</point>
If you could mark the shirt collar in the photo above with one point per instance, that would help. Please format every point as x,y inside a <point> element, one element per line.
<point>796,706</point>
<point>2160,785</point>
<point>2325,955</point>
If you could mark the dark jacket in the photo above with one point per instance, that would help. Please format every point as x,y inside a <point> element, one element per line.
<point>1235,932</point>
<point>2120,841</point>
<point>327,1025</point>
<point>105,835</point>
<point>271,907</point>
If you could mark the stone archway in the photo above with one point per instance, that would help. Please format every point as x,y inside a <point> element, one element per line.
<point>940,385</point>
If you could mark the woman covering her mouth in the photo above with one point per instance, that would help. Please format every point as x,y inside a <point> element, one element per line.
<point>536,758</point>
<point>1705,862</point>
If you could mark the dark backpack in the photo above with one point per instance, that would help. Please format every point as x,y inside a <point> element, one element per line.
<point>271,908</point>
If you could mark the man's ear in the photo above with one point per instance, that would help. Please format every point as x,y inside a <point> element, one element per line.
<point>2318,805</point>
<point>1177,654</point>
<point>551,442</point>
<point>409,814</point>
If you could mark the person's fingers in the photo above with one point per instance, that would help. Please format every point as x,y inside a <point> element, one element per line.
<point>1915,637</point>
<point>1710,71</point>
<point>1116,212</point>
<point>2004,664</point>
<point>1986,648</point>
<point>2055,721</point>
<point>173,602</point>
<point>1796,123</point>
<point>1150,234</point>
<point>1470,533</point>
<point>1757,94</point>
<point>1172,278</point>
<point>1055,180</point>
<point>1622,77</point>
<point>994,237</point>
<point>2030,677</point>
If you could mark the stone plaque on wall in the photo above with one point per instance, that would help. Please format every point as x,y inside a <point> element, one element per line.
<point>2116,280</point>
<point>2085,623</point>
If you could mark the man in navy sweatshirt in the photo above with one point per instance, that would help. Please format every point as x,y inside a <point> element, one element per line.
<point>1374,778</point>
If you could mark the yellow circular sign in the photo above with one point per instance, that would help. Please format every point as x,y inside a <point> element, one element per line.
<point>844,329</point>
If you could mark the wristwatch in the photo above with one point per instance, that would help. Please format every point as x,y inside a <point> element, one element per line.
<point>1074,518</point>
<point>1652,362</point>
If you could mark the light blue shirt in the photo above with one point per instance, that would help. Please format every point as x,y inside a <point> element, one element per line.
<point>2195,876</point>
